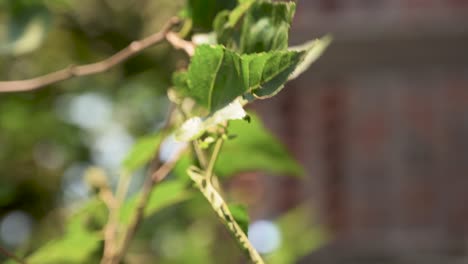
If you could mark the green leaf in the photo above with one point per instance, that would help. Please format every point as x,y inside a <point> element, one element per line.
<point>254,149</point>
<point>268,72</point>
<point>92,216</point>
<point>180,81</point>
<point>217,76</point>
<point>164,195</point>
<point>73,248</point>
<point>203,12</point>
<point>81,232</point>
<point>256,26</point>
<point>241,215</point>
<point>142,152</point>
<point>226,26</point>
<point>180,169</point>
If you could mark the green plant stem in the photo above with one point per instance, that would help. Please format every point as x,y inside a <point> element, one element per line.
<point>200,155</point>
<point>214,157</point>
<point>186,28</point>
<point>93,68</point>
<point>205,183</point>
<point>202,159</point>
<point>222,211</point>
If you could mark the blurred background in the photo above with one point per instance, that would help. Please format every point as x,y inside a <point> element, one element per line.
<point>380,123</point>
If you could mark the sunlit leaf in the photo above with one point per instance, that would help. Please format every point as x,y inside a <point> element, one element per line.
<point>73,248</point>
<point>180,169</point>
<point>217,76</point>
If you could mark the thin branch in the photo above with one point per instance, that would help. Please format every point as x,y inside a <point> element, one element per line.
<point>214,157</point>
<point>159,174</point>
<point>200,155</point>
<point>12,256</point>
<point>148,187</point>
<point>205,181</point>
<point>180,43</point>
<point>114,203</point>
<point>88,69</point>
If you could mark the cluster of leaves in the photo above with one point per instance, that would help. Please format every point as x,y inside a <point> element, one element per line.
<point>245,58</point>
<point>251,57</point>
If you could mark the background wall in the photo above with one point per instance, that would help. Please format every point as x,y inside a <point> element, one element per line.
<point>381,124</point>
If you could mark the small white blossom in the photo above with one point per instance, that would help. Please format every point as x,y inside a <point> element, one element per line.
<point>190,129</point>
<point>170,148</point>
<point>232,111</point>
<point>195,126</point>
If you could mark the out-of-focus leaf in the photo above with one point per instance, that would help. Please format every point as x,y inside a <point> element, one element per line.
<point>73,248</point>
<point>164,195</point>
<point>203,12</point>
<point>264,26</point>
<point>241,215</point>
<point>80,241</point>
<point>142,152</point>
<point>180,81</point>
<point>180,169</point>
<point>254,149</point>
<point>26,30</point>
<point>92,216</point>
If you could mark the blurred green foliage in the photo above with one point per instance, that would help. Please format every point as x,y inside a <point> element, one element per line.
<point>38,142</point>
<point>45,147</point>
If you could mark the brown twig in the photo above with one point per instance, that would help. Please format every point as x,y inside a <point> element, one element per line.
<point>88,69</point>
<point>12,256</point>
<point>180,43</point>
<point>110,230</point>
<point>148,187</point>
<point>158,175</point>
<point>150,183</point>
